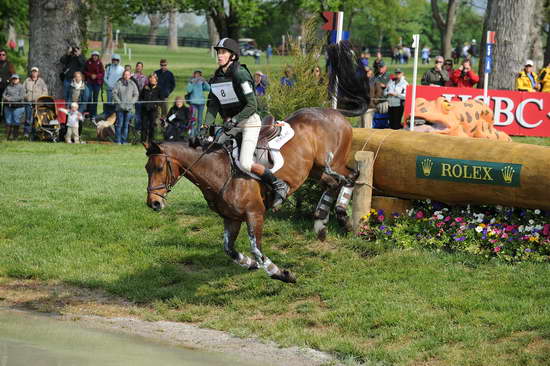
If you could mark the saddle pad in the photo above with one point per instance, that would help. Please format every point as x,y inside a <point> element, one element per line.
<point>287,132</point>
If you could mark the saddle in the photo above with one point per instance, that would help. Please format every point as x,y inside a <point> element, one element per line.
<point>273,135</point>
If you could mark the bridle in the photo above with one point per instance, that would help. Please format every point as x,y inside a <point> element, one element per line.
<point>170,180</point>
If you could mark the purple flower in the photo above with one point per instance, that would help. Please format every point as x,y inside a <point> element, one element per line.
<point>382,227</point>
<point>460,238</point>
<point>528,250</point>
<point>389,232</point>
<point>380,212</point>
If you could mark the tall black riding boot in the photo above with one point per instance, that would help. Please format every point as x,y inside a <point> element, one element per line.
<point>15,132</point>
<point>280,188</point>
<point>8,132</point>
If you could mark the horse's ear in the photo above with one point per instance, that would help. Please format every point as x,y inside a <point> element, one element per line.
<point>153,148</point>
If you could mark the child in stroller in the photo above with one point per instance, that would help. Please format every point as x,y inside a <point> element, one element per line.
<point>179,120</point>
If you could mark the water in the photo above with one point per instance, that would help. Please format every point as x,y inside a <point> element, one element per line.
<point>29,340</point>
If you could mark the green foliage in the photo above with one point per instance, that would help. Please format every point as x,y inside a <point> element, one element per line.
<point>307,91</point>
<point>13,13</point>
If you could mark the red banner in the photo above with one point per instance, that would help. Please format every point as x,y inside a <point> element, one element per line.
<point>516,113</point>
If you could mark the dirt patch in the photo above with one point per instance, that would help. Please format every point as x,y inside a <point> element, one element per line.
<point>97,309</point>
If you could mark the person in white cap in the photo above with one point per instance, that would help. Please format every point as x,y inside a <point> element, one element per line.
<point>14,107</point>
<point>35,87</point>
<point>94,73</point>
<point>113,73</point>
<point>527,79</point>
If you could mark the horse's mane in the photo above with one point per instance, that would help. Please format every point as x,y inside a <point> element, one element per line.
<point>348,73</point>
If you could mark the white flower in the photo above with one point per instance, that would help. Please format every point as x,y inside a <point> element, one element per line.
<point>493,220</point>
<point>445,209</point>
<point>531,222</point>
<point>480,220</point>
<point>428,201</point>
<point>521,228</point>
<point>479,229</point>
<point>437,213</point>
<point>538,227</point>
<point>537,212</point>
<point>528,228</point>
<point>498,207</point>
<point>440,217</point>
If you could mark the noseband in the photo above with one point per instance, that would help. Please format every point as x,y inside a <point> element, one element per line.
<point>170,180</point>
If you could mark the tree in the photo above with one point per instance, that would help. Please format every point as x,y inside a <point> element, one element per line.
<point>13,13</point>
<point>446,27</point>
<point>51,37</point>
<point>512,48</point>
<point>547,31</point>
<point>173,29</point>
<point>155,20</point>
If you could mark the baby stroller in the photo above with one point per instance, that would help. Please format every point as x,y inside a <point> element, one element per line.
<point>46,127</point>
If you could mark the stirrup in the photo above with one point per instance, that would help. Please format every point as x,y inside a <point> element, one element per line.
<point>280,189</point>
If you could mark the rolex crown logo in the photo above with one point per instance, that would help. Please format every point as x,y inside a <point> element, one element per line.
<point>427,165</point>
<point>508,173</point>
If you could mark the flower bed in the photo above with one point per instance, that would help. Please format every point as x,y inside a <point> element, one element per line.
<point>510,234</point>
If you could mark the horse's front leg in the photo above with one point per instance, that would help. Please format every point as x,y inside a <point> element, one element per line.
<point>231,230</point>
<point>255,223</point>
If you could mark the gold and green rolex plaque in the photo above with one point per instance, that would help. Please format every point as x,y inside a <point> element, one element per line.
<point>468,171</point>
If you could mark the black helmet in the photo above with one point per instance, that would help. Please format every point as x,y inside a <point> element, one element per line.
<point>228,44</point>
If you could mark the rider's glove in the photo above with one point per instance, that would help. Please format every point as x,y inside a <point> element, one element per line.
<point>229,123</point>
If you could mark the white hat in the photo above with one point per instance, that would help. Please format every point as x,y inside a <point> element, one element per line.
<point>34,69</point>
<point>473,41</point>
<point>95,53</point>
<point>115,56</point>
<point>529,63</point>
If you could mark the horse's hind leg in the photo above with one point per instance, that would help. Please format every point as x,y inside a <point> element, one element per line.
<point>255,223</point>
<point>230,233</point>
<point>322,213</point>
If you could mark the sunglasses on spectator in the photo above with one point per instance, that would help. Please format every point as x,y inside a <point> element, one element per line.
<point>2,54</point>
<point>163,64</point>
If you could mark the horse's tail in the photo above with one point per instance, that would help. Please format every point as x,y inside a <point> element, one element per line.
<point>347,79</point>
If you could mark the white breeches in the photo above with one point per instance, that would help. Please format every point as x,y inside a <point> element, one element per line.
<point>250,128</point>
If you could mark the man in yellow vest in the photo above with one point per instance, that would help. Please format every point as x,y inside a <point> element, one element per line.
<point>544,79</point>
<point>527,79</point>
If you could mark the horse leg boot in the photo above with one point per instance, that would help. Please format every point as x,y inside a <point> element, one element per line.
<point>342,203</point>
<point>255,226</point>
<point>230,233</point>
<point>280,188</point>
<point>322,213</point>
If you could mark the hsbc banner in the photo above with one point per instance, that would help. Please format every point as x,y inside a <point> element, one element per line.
<point>516,113</point>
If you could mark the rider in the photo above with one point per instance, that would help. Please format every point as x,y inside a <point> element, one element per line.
<point>232,96</point>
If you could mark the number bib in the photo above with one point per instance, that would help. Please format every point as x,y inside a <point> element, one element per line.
<point>225,93</point>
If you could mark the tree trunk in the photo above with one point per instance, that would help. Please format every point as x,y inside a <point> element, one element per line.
<point>107,45</point>
<point>547,52</point>
<point>51,37</point>
<point>506,17</point>
<point>173,29</point>
<point>536,28</point>
<point>155,20</point>
<point>446,28</point>
<point>227,26</point>
<point>213,34</point>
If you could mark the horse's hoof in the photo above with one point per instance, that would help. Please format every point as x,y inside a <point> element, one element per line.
<point>254,266</point>
<point>285,276</point>
<point>322,234</point>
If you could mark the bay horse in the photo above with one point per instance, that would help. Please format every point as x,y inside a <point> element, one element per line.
<point>318,150</point>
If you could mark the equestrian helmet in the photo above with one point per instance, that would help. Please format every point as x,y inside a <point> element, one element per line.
<point>229,44</point>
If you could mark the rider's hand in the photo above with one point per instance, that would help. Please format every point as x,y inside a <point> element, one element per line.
<point>229,123</point>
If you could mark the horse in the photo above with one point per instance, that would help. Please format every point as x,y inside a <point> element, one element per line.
<point>318,150</point>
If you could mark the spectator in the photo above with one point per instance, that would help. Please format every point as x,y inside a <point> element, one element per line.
<point>141,80</point>
<point>260,83</point>
<point>12,44</point>
<point>317,74</point>
<point>166,82</point>
<point>464,53</point>
<point>377,62</point>
<point>79,94</point>
<point>7,69</point>
<point>149,96</point>
<point>288,77</point>
<point>195,91</point>
<point>268,54</point>
<point>14,108</point>
<point>113,72</point>
<point>527,79</point>
<point>72,62</point>
<point>425,55</point>
<point>74,120</point>
<point>406,54</point>
<point>257,55</point>
<point>456,54</point>
<point>21,47</point>
<point>395,55</point>
<point>179,121</point>
<point>448,66</point>
<point>125,95</point>
<point>436,76</point>
<point>464,76</point>
<point>94,72</point>
<point>382,76</point>
<point>364,58</point>
<point>395,92</point>
<point>544,79</point>
<point>35,87</point>
<point>472,51</point>
<point>366,118</point>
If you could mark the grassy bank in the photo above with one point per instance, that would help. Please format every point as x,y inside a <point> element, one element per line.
<point>77,214</point>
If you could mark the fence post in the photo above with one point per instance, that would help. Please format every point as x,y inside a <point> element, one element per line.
<point>362,193</point>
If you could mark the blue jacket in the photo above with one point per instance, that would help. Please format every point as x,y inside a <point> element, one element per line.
<point>167,82</point>
<point>197,90</point>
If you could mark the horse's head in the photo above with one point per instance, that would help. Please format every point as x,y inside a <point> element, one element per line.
<point>163,171</point>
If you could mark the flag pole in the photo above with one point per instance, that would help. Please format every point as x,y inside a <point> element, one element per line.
<point>339,28</point>
<point>416,46</point>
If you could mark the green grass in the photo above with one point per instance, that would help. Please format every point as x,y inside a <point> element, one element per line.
<point>77,213</point>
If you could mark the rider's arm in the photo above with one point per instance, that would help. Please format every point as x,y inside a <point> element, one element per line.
<point>245,83</point>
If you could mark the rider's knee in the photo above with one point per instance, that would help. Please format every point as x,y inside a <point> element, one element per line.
<point>247,164</point>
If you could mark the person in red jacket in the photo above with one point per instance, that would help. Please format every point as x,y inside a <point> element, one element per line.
<point>94,72</point>
<point>464,76</point>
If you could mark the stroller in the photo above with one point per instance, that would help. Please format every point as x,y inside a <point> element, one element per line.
<point>46,127</point>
